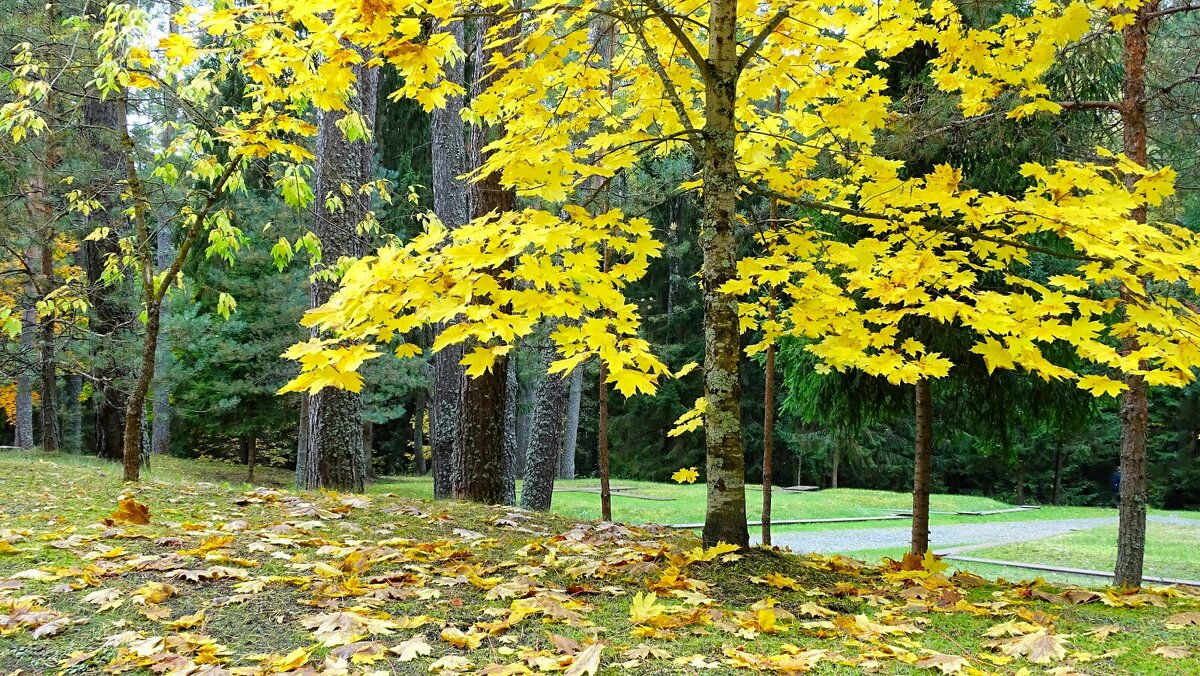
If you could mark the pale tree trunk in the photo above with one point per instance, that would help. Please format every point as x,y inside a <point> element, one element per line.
<point>24,402</point>
<point>1135,407</point>
<point>725,520</point>
<point>450,204</point>
<point>769,424</point>
<point>602,428</point>
<point>546,441</point>
<point>160,431</point>
<point>418,436</point>
<point>836,460</point>
<point>566,462</point>
<point>922,467</point>
<point>525,409</point>
<point>333,455</point>
<point>251,457</point>
<point>1059,458</point>
<point>73,412</point>
<point>510,435</point>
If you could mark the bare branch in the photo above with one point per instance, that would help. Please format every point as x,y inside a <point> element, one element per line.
<point>758,41</point>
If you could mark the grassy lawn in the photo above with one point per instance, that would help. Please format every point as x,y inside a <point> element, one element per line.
<point>226,580</point>
<point>1171,551</point>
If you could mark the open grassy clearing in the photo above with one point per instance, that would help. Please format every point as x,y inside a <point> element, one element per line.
<point>228,580</point>
<point>1171,550</point>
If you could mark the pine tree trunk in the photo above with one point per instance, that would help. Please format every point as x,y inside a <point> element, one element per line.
<point>922,467</point>
<point>725,520</point>
<point>1135,414</point>
<point>566,462</point>
<point>546,441</point>
<point>333,456</point>
<point>483,467</point>
<point>109,317</point>
<point>450,205</point>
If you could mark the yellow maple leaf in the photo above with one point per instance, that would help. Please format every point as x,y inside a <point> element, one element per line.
<point>687,475</point>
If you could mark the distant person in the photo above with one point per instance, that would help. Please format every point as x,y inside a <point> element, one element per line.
<point>1116,486</point>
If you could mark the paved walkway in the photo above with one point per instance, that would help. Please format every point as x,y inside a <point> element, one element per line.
<point>959,535</point>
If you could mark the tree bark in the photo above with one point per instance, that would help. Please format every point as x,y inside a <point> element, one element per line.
<point>418,435</point>
<point>109,317</point>
<point>725,520</point>
<point>51,435</point>
<point>24,400</point>
<point>333,455</point>
<point>768,440</point>
<point>602,429</point>
<point>160,431</point>
<point>251,457</point>
<point>1020,480</point>
<point>922,467</point>
<point>73,413</point>
<point>546,440</point>
<point>1135,408</point>
<point>1059,458</point>
<point>450,205</point>
<point>566,462</point>
<point>835,461</point>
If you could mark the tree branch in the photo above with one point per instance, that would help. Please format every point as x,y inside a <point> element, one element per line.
<point>758,41</point>
<point>668,19</point>
<point>669,88</point>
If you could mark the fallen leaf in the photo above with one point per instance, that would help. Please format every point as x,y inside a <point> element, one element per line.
<point>947,664</point>
<point>1181,620</point>
<point>412,648</point>
<point>129,510</point>
<point>1173,652</point>
<point>586,662</point>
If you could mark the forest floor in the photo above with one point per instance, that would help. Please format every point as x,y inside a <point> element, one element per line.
<point>226,579</point>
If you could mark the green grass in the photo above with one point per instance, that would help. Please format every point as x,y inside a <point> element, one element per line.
<point>1171,551</point>
<point>416,552</point>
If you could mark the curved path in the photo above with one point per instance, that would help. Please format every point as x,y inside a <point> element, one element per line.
<point>943,537</point>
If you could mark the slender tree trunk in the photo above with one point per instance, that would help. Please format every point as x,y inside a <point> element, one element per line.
<point>1020,480</point>
<point>450,205</point>
<point>302,458</point>
<point>1135,414</point>
<point>510,435</point>
<point>546,442</point>
<point>1058,468</point>
<point>24,401</point>
<point>51,436</point>
<point>768,440</point>
<point>368,440</point>
<point>251,457</point>
<point>418,435</point>
<point>334,438</point>
<point>526,408</point>
<point>566,463</point>
<point>73,412</point>
<point>602,429</point>
<point>835,461</point>
<point>922,467</point>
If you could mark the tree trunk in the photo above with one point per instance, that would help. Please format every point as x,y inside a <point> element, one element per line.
<point>1059,458</point>
<point>1020,480</point>
<point>160,432</point>
<point>418,435</point>
<point>334,456</point>
<point>602,429</point>
<point>73,412</point>
<point>546,442</point>
<point>450,205</point>
<point>566,462</point>
<point>251,457</point>
<point>835,461</point>
<point>768,440</point>
<point>1135,415</point>
<point>526,409</point>
<point>510,435</point>
<point>51,436</point>
<point>725,519</point>
<point>482,471</point>
<point>109,317</point>
<point>24,400</point>
<point>368,441</point>
<point>922,467</point>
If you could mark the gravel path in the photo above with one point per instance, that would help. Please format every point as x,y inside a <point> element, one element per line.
<point>962,536</point>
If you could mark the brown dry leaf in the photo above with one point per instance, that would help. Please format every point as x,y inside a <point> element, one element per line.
<point>586,662</point>
<point>129,510</point>
<point>1181,620</point>
<point>361,652</point>
<point>105,598</point>
<point>947,664</point>
<point>1039,647</point>
<point>412,648</point>
<point>1101,633</point>
<point>1172,652</point>
<point>564,644</point>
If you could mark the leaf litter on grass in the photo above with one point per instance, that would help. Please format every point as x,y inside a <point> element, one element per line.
<point>265,581</point>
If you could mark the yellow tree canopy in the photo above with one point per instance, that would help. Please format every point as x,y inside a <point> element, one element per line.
<point>572,118</point>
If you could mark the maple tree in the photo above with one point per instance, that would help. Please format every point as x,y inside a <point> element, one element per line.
<point>694,87</point>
